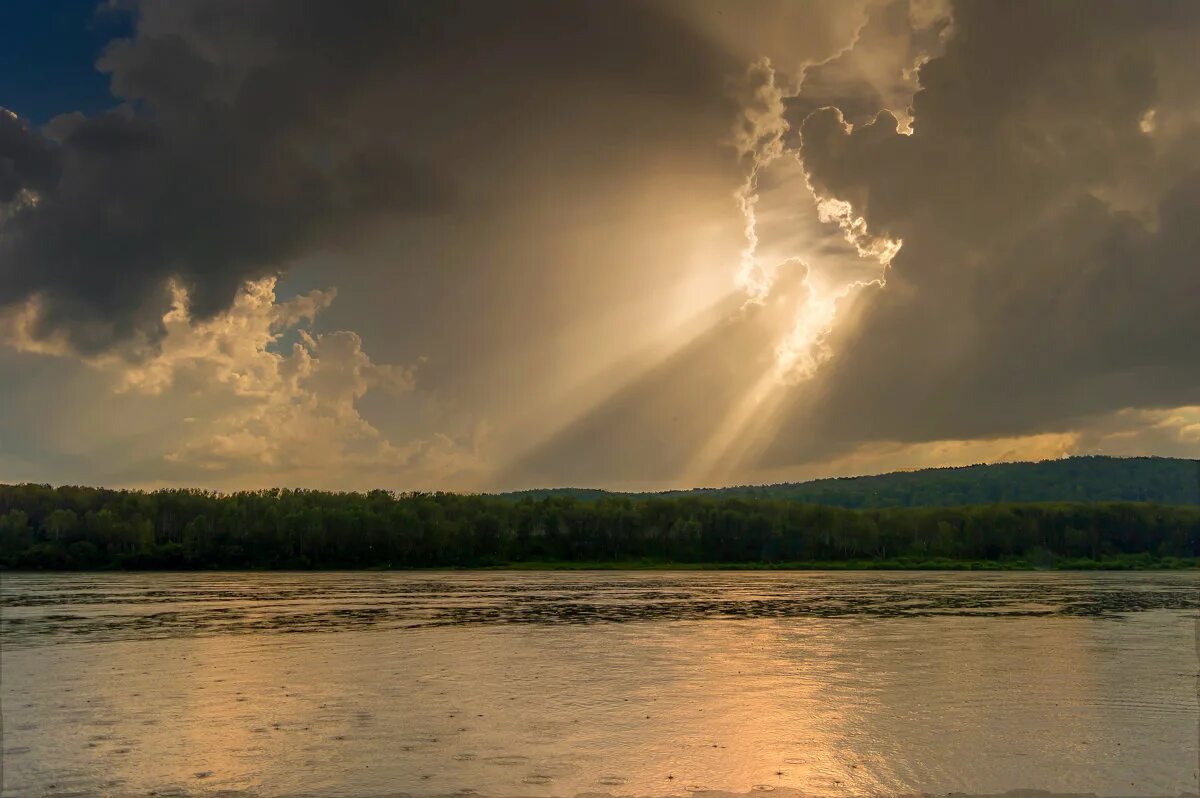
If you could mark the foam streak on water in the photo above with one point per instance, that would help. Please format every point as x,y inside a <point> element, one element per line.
<point>555,684</point>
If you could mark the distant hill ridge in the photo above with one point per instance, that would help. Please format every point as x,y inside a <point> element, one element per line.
<point>1164,480</point>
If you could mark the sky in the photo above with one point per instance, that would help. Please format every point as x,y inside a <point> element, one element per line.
<point>635,245</point>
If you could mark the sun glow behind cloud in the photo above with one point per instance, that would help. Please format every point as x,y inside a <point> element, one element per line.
<point>791,265</point>
<point>645,278</point>
<point>761,138</point>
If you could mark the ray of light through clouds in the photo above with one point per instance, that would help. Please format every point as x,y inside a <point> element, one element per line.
<point>822,238</point>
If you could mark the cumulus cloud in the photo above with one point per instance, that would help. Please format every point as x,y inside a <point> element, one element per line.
<point>878,70</point>
<point>277,411</point>
<point>435,160</point>
<point>27,165</point>
<point>653,243</point>
<point>255,396</point>
<point>252,134</point>
<point>1048,271</point>
<point>238,148</point>
<point>758,139</point>
<point>989,272</point>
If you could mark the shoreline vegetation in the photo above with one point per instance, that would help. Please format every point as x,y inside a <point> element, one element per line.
<point>1137,562</point>
<point>75,528</point>
<point>1115,563</point>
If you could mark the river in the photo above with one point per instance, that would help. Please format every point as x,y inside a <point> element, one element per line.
<point>625,683</point>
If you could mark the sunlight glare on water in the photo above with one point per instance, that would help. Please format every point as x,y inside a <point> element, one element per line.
<point>554,684</point>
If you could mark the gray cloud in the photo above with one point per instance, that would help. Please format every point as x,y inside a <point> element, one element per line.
<point>253,134</point>
<point>26,160</point>
<point>539,198</point>
<point>879,70</point>
<point>1049,270</point>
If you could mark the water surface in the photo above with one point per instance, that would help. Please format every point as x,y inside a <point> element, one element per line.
<point>555,684</point>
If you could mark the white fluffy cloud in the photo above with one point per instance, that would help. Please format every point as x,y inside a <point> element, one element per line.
<point>262,399</point>
<point>292,409</point>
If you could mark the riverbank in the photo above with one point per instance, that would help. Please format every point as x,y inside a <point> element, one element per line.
<point>1126,563</point>
<point>1136,563</point>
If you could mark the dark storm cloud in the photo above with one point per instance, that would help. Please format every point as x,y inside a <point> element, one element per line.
<point>1047,201</point>
<point>253,133</point>
<point>26,160</point>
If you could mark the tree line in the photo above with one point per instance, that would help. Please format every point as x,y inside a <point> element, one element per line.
<point>1089,478</point>
<point>86,528</point>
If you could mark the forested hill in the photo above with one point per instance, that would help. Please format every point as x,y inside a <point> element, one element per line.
<point>1083,512</point>
<point>1162,480</point>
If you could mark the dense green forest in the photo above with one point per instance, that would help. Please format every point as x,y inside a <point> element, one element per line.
<point>1162,480</point>
<point>72,527</point>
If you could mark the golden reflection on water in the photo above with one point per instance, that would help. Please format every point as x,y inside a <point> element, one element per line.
<point>829,706</point>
